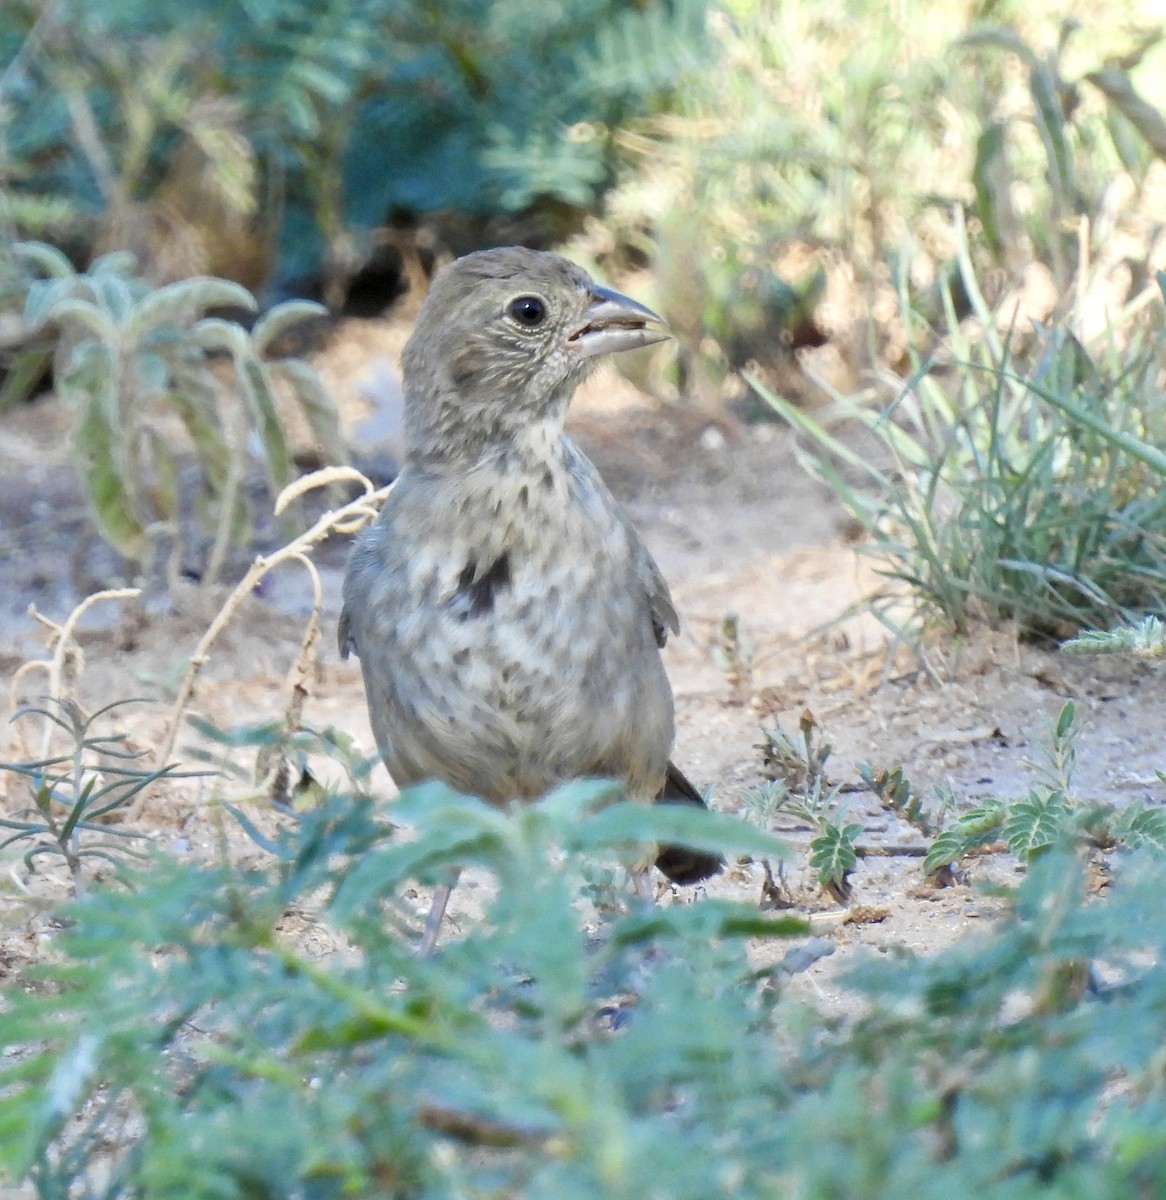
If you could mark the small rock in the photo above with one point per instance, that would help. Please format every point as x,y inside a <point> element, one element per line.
<point>712,439</point>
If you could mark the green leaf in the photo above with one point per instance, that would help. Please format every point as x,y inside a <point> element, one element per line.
<point>180,303</point>
<point>42,294</point>
<point>1137,825</point>
<point>947,847</point>
<point>47,259</point>
<point>804,422</point>
<point>1121,640</point>
<point>629,824</point>
<point>318,405</point>
<point>975,828</point>
<point>1000,38</point>
<point>117,264</point>
<point>1118,88</point>
<point>278,320</point>
<point>434,805</point>
<point>1036,822</point>
<point>196,403</point>
<point>255,383</point>
<point>327,85</point>
<point>116,294</point>
<point>213,333</point>
<point>152,374</point>
<point>163,484</point>
<point>1052,125</point>
<point>1141,450</point>
<point>832,853</point>
<point>706,920</point>
<point>26,368</point>
<point>90,385</point>
<point>73,311</point>
<point>990,155</point>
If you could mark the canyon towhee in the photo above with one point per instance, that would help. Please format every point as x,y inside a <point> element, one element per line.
<point>507,616</point>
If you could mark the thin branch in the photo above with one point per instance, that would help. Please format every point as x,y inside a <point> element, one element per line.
<point>61,638</point>
<point>347,519</point>
<point>478,1130</point>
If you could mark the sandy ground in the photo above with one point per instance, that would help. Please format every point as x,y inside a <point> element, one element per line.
<point>738,528</point>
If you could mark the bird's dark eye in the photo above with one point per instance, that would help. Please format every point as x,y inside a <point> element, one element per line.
<point>528,311</point>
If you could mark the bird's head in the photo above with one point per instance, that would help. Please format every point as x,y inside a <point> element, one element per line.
<point>502,341</point>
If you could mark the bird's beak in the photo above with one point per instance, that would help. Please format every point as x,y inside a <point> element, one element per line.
<point>615,322</point>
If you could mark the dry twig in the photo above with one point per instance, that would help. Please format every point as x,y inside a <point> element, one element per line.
<point>61,642</point>
<point>346,520</point>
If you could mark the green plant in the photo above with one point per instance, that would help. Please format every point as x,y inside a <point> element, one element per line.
<point>224,130</point>
<point>819,156</point>
<point>526,1056</point>
<point>1011,491</point>
<point>762,803</point>
<point>1066,144</point>
<point>894,792</point>
<point>1047,816</point>
<point>799,787</point>
<point>1060,751</point>
<point>284,751</point>
<point>1050,814</point>
<point>735,658</point>
<point>797,762</point>
<point>1014,1051</point>
<point>807,142</point>
<point>74,794</point>
<point>183,1045</point>
<point>1146,639</point>
<point>127,356</point>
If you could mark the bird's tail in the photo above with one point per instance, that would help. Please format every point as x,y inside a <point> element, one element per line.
<point>679,863</point>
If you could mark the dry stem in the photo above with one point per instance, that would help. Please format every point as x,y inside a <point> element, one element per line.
<point>347,519</point>
<point>61,641</point>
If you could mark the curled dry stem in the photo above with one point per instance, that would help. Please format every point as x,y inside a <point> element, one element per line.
<point>345,520</point>
<point>272,763</point>
<point>62,644</point>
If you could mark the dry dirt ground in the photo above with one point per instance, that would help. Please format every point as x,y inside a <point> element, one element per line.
<point>737,528</point>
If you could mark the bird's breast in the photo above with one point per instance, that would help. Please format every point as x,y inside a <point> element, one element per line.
<point>504,623</point>
<point>529,593</point>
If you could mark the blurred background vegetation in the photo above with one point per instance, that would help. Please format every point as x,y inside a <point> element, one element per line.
<point>744,148</point>
<point>856,202</point>
<point>271,140</point>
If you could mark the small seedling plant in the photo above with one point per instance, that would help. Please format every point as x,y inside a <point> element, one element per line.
<point>76,793</point>
<point>1049,814</point>
<point>798,786</point>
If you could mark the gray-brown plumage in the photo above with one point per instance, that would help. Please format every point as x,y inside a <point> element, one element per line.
<point>507,616</point>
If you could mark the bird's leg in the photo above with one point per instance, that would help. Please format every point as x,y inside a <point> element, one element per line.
<point>642,885</point>
<point>436,914</point>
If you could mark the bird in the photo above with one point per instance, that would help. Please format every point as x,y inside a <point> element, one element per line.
<point>507,615</point>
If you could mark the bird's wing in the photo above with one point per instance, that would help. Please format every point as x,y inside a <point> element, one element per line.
<point>377,556</point>
<point>664,618</point>
<point>344,638</point>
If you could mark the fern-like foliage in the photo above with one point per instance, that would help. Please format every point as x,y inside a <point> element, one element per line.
<point>184,1045</point>
<point>249,1067</point>
<point>349,109</point>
